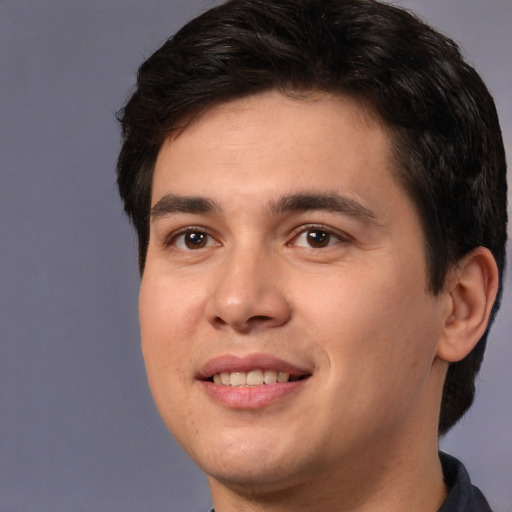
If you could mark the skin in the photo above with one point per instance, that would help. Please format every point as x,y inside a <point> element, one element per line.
<point>355,315</point>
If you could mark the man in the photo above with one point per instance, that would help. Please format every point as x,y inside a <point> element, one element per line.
<point>319,192</point>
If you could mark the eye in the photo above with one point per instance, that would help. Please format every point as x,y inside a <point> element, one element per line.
<point>192,240</point>
<point>316,238</point>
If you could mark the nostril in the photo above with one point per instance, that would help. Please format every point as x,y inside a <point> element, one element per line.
<point>245,325</point>
<point>260,318</point>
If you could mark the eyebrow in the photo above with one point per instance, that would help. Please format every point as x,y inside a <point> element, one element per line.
<point>171,203</point>
<point>330,202</point>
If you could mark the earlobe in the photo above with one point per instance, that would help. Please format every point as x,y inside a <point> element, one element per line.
<point>471,288</point>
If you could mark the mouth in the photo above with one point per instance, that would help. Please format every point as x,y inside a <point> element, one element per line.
<point>254,377</point>
<point>252,382</point>
<point>251,371</point>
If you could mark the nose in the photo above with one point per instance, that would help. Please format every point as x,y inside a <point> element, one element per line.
<point>248,294</point>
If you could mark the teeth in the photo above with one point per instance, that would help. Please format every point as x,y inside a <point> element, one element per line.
<point>270,377</point>
<point>238,379</point>
<point>253,378</point>
<point>283,377</point>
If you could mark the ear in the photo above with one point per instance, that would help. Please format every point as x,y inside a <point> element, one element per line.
<point>471,288</point>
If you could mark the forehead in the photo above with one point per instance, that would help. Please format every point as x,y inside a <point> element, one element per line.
<point>270,134</point>
<point>273,107</point>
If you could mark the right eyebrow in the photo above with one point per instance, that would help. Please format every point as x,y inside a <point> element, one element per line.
<point>171,203</point>
<point>327,202</point>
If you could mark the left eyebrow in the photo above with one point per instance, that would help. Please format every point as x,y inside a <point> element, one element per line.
<point>330,202</point>
<point>171,203</point>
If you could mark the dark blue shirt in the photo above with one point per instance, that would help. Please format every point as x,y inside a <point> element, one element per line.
<point>462,495</point>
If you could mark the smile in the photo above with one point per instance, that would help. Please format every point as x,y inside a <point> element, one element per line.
<point>255,377</point>
<point>253,381</point>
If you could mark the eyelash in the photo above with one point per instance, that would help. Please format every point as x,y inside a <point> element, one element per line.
<point>330,232</point>
<point>172,241</point>
<point>189,230</point>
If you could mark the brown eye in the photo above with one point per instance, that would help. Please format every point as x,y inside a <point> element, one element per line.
<point>318,238</point>
<point>192,240</point>
<point>195,240</point>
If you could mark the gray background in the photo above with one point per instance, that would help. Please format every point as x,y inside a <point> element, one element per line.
<point>79,431</point>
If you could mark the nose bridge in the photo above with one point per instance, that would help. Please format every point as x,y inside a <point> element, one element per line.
<point>247,291</point>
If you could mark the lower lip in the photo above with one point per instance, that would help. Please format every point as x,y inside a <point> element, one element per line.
<point>252,397</point>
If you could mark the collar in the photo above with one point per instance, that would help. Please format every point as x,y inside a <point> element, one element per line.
<point>462,496</point>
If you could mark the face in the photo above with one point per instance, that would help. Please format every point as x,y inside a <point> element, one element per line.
<point>286,327</point>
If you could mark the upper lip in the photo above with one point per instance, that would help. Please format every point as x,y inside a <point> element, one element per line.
<point>235,363</point>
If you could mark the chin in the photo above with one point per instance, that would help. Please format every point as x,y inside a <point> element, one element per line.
<point>255,464</point>
<point>260,478</point>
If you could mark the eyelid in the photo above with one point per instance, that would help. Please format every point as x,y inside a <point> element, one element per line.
<point>341,235</point>
<point>170,239</point>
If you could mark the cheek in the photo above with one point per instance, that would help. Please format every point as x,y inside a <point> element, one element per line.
<point>168,309</point>
<point>166,321</point>
<point>380,347</point>
<point>381,327</point>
